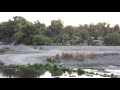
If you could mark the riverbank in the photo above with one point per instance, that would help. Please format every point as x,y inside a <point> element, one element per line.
<point>22,55</point>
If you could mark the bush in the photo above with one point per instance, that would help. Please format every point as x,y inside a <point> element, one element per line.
<point>33,71</point>
<point>2,64</point>
<point>41,40</point>
<point>57,57</point>
<point>56,71</point>
<point>50,60</point>
<point>112,39</point>
<point>19,37</point>
<point>80,72</point>
<point>66,69</point>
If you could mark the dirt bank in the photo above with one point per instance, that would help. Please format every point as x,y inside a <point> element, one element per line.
<point>22,54</point>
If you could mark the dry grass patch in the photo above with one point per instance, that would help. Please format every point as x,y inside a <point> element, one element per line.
<point>78,55</point>
<point>2,50</point>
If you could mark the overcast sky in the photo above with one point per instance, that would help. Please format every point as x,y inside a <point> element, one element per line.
<point>68,18</point>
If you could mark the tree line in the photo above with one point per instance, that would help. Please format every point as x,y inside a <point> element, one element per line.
<point>18,30</point>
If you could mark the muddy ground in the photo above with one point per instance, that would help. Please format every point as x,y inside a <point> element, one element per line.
<point>22,54</point>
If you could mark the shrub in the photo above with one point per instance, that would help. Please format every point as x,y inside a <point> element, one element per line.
<point>41,40</point>
<point>50,60</point>
<point>112,39</point>
<point>2,63</point>
<point>57,57</point>
<point>65,69</point>
<point>80,71</point>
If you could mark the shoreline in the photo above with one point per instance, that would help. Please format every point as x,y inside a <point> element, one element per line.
<point>22,54</point>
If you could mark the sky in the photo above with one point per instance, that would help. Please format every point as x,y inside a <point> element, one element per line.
<point>68,18</point>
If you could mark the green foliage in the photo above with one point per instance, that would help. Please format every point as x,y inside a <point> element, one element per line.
<point>55,27</point>
<point>19,37</point>
<point>112,39</point>
<point>84,34</point>
<point>80,71</point>
<point>34,70</point>
<point>41,40</point>
<point>66,36</point>
<point>2,64</point>
<point>69,30</point>
<point>50,60</point>
<point>19,30</point>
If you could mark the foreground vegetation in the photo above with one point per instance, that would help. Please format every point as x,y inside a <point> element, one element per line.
<point>35,70</point>
<point>20,31</point>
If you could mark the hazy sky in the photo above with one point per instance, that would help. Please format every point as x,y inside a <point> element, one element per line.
<point>68,18</point>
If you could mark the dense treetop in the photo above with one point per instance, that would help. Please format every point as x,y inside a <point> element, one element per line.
<point>20,31</point>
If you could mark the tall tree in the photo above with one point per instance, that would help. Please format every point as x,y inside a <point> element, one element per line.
<point>56,27</point>
<point>69,30</point>
<point>112,39</point>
